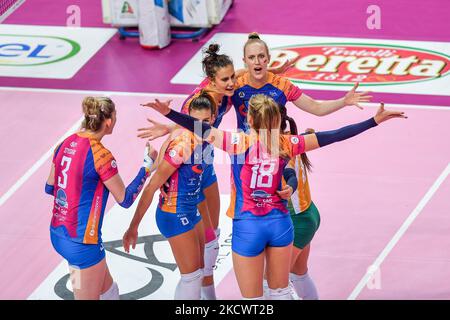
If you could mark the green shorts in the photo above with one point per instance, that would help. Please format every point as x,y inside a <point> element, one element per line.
<point>306,224</point>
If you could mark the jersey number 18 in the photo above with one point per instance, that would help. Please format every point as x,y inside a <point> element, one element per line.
<point>262,175</point>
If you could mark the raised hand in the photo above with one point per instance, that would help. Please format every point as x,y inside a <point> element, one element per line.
<point>161,107</point>
<point>384,115</point>
<point>153,132</point>
<point>353,98</point>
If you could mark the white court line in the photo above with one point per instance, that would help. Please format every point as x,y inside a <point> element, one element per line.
<point>47,155</point>
<point>423,202</point>
<point>144,94</point>
<point>37,165</point>
<point>11,9</point>
<point>94,92</point>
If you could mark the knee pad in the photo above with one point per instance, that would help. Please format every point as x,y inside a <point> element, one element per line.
<point>217,232</point>
<point>281,294</point>
<point>254,298</point>
<point>189,286</point>
<point>210,256</point>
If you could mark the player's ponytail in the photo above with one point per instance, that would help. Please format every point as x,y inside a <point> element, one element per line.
<point>266,121</point>
<point>96,110</point>
<point>212,61</point>
<point>285,119</point>
<point>254,38</point>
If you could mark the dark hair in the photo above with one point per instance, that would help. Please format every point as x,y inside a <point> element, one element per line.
<point>203,101</point>
<point>214,61</point>
<point>96,110</point>
<point>254,38</point>
<point>285,119</point>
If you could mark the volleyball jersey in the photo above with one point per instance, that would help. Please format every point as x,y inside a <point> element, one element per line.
<point>256,175</point>
<point>222,109</point>
<point>82,164</point>
<point>301,198</point>
<point>184,153</point>
<point>280,89</point>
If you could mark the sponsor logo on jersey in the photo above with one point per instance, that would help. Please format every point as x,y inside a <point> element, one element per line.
<point>260,194</point>
<point>61,198</point>
<point>172,153</point>
<point>197,169</point>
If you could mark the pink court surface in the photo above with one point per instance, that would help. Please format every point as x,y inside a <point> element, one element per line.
<point>383,196</point>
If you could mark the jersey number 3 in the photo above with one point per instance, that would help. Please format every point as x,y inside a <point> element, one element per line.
<point>62,179</point>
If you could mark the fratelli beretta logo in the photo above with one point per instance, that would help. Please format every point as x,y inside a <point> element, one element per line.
<point>369,64</point>
<point>34,50</point>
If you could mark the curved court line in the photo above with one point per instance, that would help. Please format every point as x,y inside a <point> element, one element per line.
<point>376,265</point>
<point>38,164</point>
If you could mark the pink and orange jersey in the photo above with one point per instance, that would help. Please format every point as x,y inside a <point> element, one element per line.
<point>222,109</point>
<point>301,198</point>
<point>185,153</point>
<point>256,175</point>
<point>82,164</point>
<point>280,89</point>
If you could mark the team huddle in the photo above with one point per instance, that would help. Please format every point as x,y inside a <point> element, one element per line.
<point>273,216</point>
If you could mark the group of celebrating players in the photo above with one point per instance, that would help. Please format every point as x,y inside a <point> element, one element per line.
<point>274,217</point>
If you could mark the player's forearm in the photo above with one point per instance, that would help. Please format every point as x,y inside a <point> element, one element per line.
<point>132,190</point>
<point>190,123</point>
<point>329,106</point>
<point>143,205</point>
<point>328,137</point>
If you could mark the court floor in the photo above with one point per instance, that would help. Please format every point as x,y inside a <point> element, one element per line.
<point>383,199</point>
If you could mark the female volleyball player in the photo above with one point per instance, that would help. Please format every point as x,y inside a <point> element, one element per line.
<point>183,166</point>
<point>219,83</point>
<point>258,79</point>
<point>305,218</point>
<point>260,220</point>
<point>82,175</point>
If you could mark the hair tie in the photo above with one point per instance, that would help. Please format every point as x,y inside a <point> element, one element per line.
<point>92,116</point>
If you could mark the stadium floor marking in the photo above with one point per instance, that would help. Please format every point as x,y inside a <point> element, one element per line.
<point>400,232</point>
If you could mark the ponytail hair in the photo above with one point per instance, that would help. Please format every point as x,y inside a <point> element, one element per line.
<point>96,110</point>
<point>293,130</point>
<point>266,118</point>
<point>212,61</point>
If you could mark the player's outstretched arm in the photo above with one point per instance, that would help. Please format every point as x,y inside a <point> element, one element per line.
<point>321,139</point>
<point>323,108</point>
<point>201,129</point>
<point>156,131</point>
